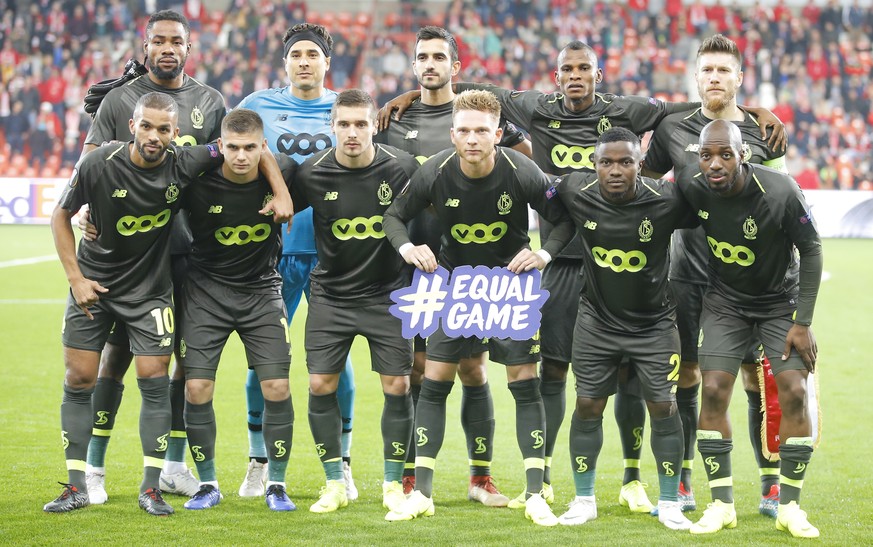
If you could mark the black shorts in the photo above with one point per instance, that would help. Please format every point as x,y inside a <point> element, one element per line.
<point>150,324</point>
<point>725,333</point>
<point>563,279</point>
<point>689,303</point>
<point>211,311</point>
<point>442,348</point>
<point>597,355</point>
<point>330,330</point>
<point>179,266</point>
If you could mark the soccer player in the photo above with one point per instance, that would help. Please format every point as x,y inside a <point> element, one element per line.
<point>674,146</point>
<point>754,218</point>
<point>233,285</point>
<point>297,123</point>
<point>349,187</point>
<point>626,312</point>
<point>564,127</point>
<point>424,130</point>
<point>475,183</point>
<point>133,190</point>
<point>201,109</point>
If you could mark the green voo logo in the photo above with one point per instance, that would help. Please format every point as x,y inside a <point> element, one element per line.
<point>618,260</point>
<point>243,234</point>
<point>197,451</point>
<point>358,228</point>
<point>479,233</point>
<point>575,157</point>
<point>730,254</point>
<point>129,225</point>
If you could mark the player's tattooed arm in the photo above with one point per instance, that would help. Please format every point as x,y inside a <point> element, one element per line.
<point>85,291</point>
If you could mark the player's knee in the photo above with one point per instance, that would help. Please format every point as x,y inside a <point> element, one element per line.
<point>79,378</point>
<point>199,390</point>
<point>661,410</point>
<point>792,398</point>
<point>590,409</point>
<point>276,389</point>
<point>395,385</point>
<point>473,374</point>
<point>554,371</point>
<point>323,384</point>
<point>716,394</point>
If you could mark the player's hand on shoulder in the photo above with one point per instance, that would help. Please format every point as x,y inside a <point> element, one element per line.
<point>525,261</point>
<point>89,231</point>
<point>395,108</point>
<point>801,338</point>
<point>419,256</point>
<point>281,208</point>
<point>87,292</point>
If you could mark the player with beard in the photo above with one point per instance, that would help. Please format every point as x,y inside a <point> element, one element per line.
<point>124,275</point>
<point>424,130</point>
<point>674,146</point>
<point>564,127</point>
<point>756,222</point>
<point>201,109</point>
<point>297,123</point>
<point>478,183</point>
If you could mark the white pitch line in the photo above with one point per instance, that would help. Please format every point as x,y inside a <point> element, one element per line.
<point>27,261</point>
<point>29,301</point>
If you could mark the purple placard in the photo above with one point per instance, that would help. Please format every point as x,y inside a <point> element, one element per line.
<point>471,301</point>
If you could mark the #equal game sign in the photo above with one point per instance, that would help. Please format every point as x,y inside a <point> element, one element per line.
<point>471,301</point>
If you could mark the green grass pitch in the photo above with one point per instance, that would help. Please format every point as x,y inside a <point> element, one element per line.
<point>838,494</point>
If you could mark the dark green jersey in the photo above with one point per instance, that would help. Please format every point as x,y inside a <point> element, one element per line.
<point>563,141</point>
<point>233,243</point>
<point>356,264</point>
<point>752,236</point>
<point>131,208</point>
<point>626,251</point>
<point>484,221</point>
<point>201,109</point>
<point>423,131</point>
<point>675,144</point>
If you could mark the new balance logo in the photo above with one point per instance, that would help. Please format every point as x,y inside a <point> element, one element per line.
<point>215,209</point>
<point>452,202</point>
<point>693,148</point>
<point>411,135</point>
<point>703,214</point>
<point>165,342</point>
<point>590,225</point>
<point>331,196</point>
<point>118,193</point>
<point>554,124</point>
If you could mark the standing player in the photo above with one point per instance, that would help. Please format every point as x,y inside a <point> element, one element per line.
<point>232,286</point>
<point>297,123</point>
<point>754,218</point>
<point>349,188</point>
<point>626,312</point>
<point>201,109</point>
<point>424,130</point>
<point>478,183</point>
<point>133,190</point>
<point>674,146</point>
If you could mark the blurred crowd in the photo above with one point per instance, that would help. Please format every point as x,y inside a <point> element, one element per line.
<point>810,65</point>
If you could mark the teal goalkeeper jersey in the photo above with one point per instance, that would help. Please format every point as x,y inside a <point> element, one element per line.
<point>297,128</point>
